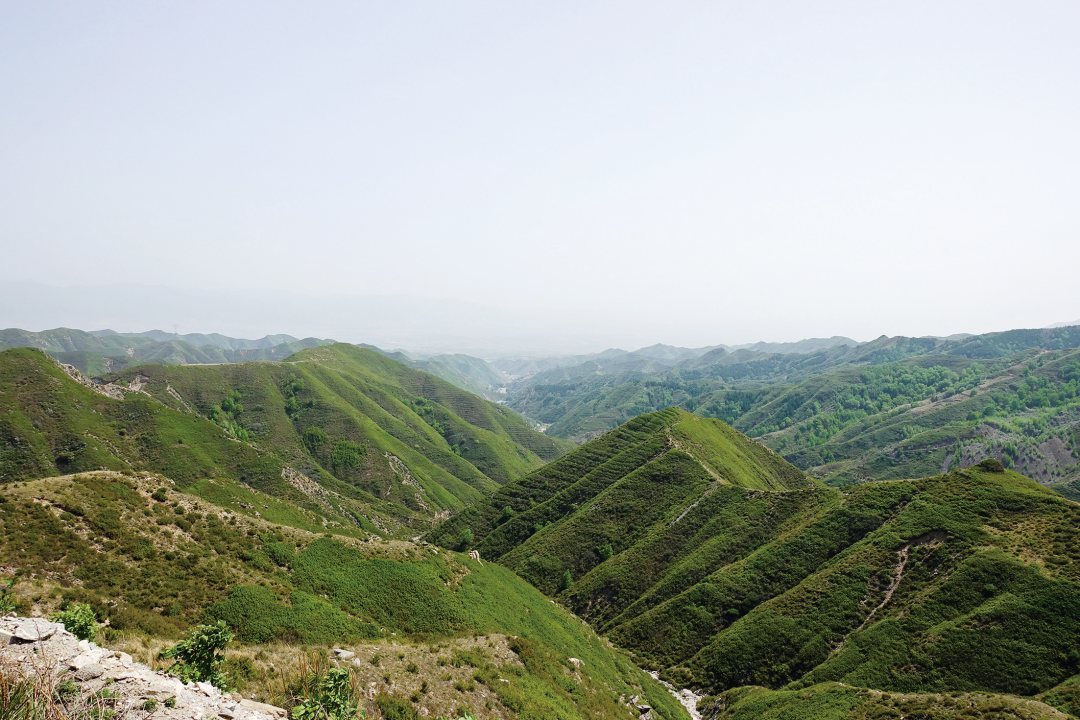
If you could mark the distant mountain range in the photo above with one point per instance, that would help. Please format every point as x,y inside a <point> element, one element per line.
<point>657,356</point>
<point>891,408</point>
<point>103,351</point>
<point>198,339</point>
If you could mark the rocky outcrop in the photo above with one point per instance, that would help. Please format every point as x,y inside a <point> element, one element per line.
<point>32,647</point>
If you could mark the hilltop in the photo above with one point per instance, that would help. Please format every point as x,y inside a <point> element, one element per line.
<point>890,408</point>
<point>353,438</point>
<point>755,575</point>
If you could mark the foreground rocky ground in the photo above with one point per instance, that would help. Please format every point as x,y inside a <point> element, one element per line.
<point>81,676</point>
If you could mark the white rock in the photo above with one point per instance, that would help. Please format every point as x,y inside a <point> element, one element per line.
<point>93,657</point>
<point>263,708</point>
<point>35,629</point>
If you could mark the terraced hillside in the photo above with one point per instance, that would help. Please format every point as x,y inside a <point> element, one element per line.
<point>610,492</point>
<point>891,408</point>
<point>351,436</point>
<point>721,566</point>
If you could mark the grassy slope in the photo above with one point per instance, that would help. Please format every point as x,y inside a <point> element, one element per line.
<point>988,598</point>
<point>100,538</point>
<point>962,582</point>
<point>889,409</point>
<point>613,491</point>
<point>466,372</point>
<point>54,425</point>
<point>831,701</point>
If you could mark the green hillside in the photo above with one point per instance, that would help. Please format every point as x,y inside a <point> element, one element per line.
<point>467,372</point>
<point>891,408</point>
<point>350,435</point>
<point>610,492</point>
<point>152,561</point>
<point>721,566</point>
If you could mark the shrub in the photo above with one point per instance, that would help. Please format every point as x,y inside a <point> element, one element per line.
<point>7,604</point>
<point>394,709</point>
<point>566,581</point>
<point>314,438</point>
<point>197,657</point>
<point>346,455</point>
<point>160,495</point>
<point>326,696</point>
<point>79,620</point>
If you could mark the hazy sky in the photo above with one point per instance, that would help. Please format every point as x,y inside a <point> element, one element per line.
<point>691,172</point>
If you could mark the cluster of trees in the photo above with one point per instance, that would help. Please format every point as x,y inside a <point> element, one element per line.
<point>342,455</point>
<point>227,415</point>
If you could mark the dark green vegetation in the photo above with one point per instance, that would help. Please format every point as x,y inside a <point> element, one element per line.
<point>339,434</point>
<point>105,351</point>
<point>722,566</point>
<point>831,701</point>
<point>608,493</point>
<point>891,408</point>
<point>159,567</point>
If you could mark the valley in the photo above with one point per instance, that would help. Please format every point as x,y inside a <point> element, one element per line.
<point>843,532</point>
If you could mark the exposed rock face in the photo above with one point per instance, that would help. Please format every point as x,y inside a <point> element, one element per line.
<point>33,646</point>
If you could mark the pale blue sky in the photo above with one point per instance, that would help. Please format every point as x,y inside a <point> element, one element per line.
<point>691,173</point>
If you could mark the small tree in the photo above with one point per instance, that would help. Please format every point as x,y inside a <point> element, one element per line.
<point>507,513</point>
<point>566,581</point>
<point>605,551</point>
<point>466,538</point>
<point>327,697</point>
<point>197,658</point>
<point>7,604</point>
<point>347,455</point>
<point>314,439</point>
<point>79,620</point>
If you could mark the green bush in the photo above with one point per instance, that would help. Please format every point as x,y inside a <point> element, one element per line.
<point>79,620</point>
<point>7,603</point>
<point>346,455</point>
<point>326,696</point>
<point>314,438</point>
<point>395,709</point>
<point>197,657</point>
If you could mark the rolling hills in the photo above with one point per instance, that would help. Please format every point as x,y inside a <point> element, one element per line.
<point>104,351</point>
<point>279,496</point>
<point>353,437</point>
<point>891,408</point>
<point>722,566</point>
